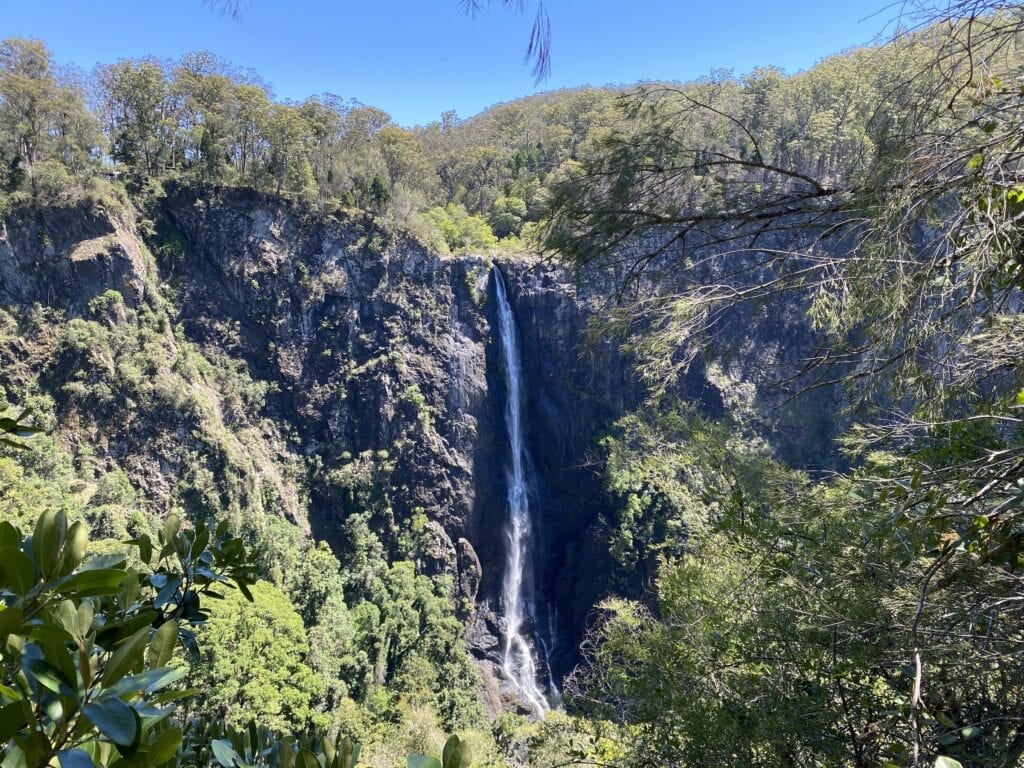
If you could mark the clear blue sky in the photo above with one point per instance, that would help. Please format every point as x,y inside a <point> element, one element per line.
<point>417,58</point>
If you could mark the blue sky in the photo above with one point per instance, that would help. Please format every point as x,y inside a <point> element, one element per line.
<point>418,58</point>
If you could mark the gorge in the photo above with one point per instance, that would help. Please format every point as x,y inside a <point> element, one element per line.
<point>674,424</point>
<point>385,384</point>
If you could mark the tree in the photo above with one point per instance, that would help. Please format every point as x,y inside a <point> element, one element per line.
<point>202,83</point>
<point>379,192</point>
<point>507,216</point>
<point>91,661</point>
<point>789,623</point>
<point>87,643</point>
<point>139,115</point>
<point>256,653</point>
<point>287,134</point>
<point>251,108</point>
<point>29,92</point>
<point>405,158</point>
<point>800,182</point>
<point>42,120</point>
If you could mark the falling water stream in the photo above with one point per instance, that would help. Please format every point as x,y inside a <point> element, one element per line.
<point>518,661</point>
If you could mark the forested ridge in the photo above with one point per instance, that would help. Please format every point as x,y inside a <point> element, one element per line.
<point>170,597</point>
<point>457,183</point>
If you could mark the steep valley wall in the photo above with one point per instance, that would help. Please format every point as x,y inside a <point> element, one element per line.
<point>308,367</point>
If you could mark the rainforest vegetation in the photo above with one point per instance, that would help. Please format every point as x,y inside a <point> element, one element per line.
<point>860,608</point>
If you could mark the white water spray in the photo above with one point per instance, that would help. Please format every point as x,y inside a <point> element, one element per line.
<point>518,662</point>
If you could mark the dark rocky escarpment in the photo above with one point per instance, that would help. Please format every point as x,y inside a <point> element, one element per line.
<point>67,257</point>
<point>382,348</point>
<point>375,359</point>
<point>375,372</point>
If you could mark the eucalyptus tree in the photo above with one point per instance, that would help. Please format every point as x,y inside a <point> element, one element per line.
<point>139,115</point>
<point>45,128</point>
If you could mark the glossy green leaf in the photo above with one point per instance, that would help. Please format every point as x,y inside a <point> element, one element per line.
<point>306,759</point>
<point>127,657</point>
<point>47,675</point>
<point>169,696</point>
<point>243,587</point>
<point>349,752</point>
<point>8,694</point>
<point>114,632</point>
<point>37,748</point>
<point>103,562</point>
<point>456,753</point>
<point>86,614</point>
<point>10,620</point>
<point>150,681</point>
<point>168,592</point>
<point>145,545</point>
<point>164,747</point>
<point>47,539</point>
<point>12,720</point>
<point>57,653</point>
<point>75,546</point>
<point>287,755</point>
<point>18,569</point>
<point>202,539</point>
<point>161,647</point>
<point>171,527</point>
<point>74,758</point>
<point>9,535</point>
<point>224,753</point>
<point>91,583</point>
<point>114,719</point>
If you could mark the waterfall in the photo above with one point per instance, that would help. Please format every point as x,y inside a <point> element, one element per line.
<point>518,661</point>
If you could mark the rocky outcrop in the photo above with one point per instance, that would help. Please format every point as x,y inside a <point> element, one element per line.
<point>88,335</point>
<point>70,256</point>
<point>376,346</point>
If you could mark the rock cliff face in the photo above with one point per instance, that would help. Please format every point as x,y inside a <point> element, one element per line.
<point>382,348</point>
<point>377,348</point>
<point>68,257</point>
<point>375,371</point>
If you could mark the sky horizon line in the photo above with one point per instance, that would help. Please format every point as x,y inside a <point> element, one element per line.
<point>429,58</point>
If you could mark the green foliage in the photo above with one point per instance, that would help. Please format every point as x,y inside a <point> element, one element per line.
<point>37,477</point>
<point>255,666</point>
<point>868,620</point>
<point>507,215</point>
<point>47,137</point>
<point>456,754</point>
<point>86,643</point>
<point>461,230</point>
<point>92,671</point>
<point>672,474</point>
<point>787,630</point>
<point>199,120</point>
